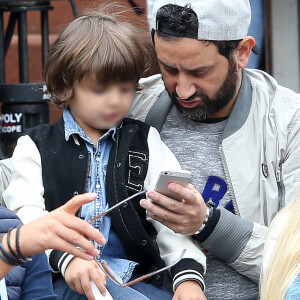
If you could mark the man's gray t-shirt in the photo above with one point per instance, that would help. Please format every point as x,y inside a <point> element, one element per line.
<point>196,146</point>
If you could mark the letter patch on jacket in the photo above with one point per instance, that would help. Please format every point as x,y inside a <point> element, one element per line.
<point>137,170</point>
<point>214,190</point>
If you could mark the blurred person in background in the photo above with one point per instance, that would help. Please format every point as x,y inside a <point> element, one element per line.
<point>280,277</point>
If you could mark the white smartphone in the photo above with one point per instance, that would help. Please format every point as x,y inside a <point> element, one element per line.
<point>181,177</point>
<point>97,295</point>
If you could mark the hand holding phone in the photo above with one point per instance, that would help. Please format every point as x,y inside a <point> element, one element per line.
<point>181,177</point>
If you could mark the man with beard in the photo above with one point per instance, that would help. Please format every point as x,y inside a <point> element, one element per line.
<point>235,129</point>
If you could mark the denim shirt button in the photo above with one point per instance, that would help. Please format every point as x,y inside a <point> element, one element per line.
<point>81,156</point>
<point>118,165</point>
<point>75,193</point>
<point>125,204</point>
<point>144,242</point>
<point>157,277</point>
<point>130,130</point>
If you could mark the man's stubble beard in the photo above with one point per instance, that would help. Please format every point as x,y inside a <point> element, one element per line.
<point>209,106</point>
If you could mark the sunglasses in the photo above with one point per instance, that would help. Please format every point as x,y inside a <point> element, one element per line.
<point>110,272</point>
<point>115,206</point>
<point>119,281</point>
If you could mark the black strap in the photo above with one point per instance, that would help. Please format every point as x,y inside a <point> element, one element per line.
<point>157,115</point>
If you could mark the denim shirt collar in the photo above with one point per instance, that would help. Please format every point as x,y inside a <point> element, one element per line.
<point>71,127</point>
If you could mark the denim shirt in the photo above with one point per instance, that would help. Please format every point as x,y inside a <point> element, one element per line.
<point>113,251</point>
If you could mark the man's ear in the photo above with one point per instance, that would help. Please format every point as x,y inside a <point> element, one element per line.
<point>244,50</point>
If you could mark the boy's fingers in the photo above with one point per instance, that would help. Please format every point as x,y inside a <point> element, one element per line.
<point>77,286</point>
<point>72,286</point>
<point>76,202</point>
<point>98,280</point>
<point>86,287</point>
<point>102,274</point>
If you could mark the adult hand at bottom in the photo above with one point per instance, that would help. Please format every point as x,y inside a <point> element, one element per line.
<point>184,217</point>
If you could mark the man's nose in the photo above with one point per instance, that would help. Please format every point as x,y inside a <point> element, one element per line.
<point>185,88</point>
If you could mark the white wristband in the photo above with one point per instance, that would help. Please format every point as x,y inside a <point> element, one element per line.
<point>204,222</point>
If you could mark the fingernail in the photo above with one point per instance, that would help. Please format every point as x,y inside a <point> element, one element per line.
<point>89,257</point>
<point>96,252</point>
<point>92,196</point>
<point>143,203</point>
<point>151,195</point>
<point>172,187</point>
<point>103,240</point>
<point>149,213</point>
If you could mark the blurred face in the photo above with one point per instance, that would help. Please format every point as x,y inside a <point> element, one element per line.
<point>97,108</point>
<point>200,81</point>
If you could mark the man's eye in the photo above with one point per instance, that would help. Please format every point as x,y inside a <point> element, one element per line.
<point>171,71</point>
<point>200,74</point>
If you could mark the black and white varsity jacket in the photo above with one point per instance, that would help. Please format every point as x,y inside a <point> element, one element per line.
<point>48,170</point>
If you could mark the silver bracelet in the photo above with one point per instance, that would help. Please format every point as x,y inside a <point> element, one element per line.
<point>204,222</point>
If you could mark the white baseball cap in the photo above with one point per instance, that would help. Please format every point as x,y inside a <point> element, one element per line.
<point>219,20</point>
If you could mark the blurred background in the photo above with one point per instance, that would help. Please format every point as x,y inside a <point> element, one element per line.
<point>24,24</point>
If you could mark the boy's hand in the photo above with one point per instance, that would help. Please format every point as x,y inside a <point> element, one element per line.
<point>189,290</point>
<point>80,272</point>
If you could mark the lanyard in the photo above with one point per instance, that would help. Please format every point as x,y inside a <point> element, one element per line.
<point>3,292</point>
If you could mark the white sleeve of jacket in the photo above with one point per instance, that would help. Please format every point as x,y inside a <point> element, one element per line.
<point>24,195</point>
<point>254,249</point>
<point>250,260</point>
<point>161,158</point>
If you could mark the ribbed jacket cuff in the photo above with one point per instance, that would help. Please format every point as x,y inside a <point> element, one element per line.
<point>230,237</point>
<point>59,261</point>
<point>186,270</point>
